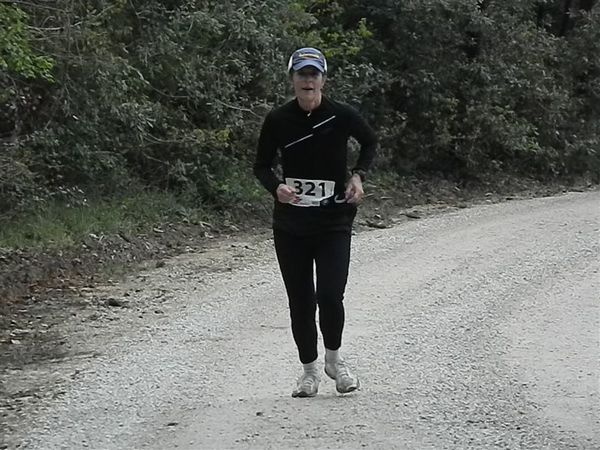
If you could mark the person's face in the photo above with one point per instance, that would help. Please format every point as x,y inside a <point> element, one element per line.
<point>308,83</point>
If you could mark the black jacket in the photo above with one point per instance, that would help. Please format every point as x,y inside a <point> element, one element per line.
<point>313,146</point>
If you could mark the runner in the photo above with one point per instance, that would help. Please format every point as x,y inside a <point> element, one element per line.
<point>315,205</point>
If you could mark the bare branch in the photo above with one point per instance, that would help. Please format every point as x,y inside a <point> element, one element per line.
<point>165,94</point>
<point>42,30</point>
<point>154,140</point>
<point>34,5</point>
<point>152,158</point>
<point>238,108</point>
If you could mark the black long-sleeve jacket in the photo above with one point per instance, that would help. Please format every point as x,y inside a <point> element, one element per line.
<point>314,150</point>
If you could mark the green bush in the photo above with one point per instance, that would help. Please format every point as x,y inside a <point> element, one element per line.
<point>124,96</point>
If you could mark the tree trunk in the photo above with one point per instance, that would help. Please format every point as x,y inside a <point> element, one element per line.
<point>565,21</point>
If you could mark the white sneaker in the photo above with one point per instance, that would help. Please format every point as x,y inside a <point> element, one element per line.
<point>307,385</point>
<point>345,381</point>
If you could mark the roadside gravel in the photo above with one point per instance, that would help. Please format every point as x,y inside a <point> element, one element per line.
<point>476,328</point>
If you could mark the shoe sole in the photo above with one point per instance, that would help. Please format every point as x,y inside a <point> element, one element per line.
<point>349,389</point>
<point>303,394</point>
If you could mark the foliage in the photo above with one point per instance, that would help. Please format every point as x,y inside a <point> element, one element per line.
<point>16,55</point>
<point>65,224</point>
<point>581,134</point>
<point>19,65</point>
<point>105,97</point>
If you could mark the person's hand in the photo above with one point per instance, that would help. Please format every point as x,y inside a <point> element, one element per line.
<point>286,194</point>
<point>354,190</point>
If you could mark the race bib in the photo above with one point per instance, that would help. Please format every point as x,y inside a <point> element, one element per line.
<point>311,192</point>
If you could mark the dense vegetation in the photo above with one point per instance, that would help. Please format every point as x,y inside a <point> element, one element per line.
<point>107,98</point>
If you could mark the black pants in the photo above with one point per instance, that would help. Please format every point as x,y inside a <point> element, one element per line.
<point>329,253</point>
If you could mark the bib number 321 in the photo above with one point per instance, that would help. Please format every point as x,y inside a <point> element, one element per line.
<point>311,192</point>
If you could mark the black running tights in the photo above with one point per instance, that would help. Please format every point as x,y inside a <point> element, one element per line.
<point>329,254</point>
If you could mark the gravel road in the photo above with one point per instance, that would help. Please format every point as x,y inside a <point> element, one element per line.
<point>475,328</point>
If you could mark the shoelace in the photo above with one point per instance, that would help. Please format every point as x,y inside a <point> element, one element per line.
<point>308,380</point>
<point>341,370</point>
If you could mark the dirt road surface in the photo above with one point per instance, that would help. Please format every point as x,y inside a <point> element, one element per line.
<point>475,328</point>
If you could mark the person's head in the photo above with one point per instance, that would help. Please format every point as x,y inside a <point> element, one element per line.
<point>308,69</point>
